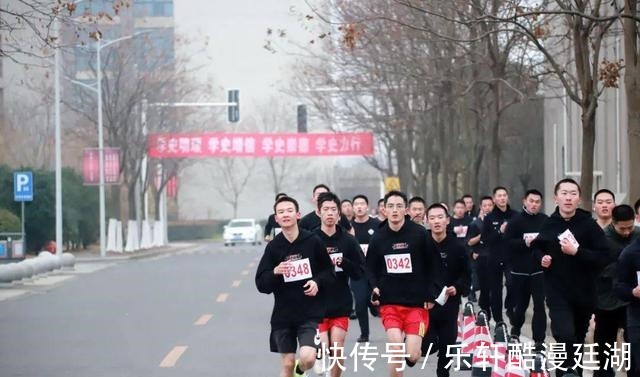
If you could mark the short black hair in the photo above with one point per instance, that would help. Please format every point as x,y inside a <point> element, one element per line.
<point>345,201</point>
<point>381,200</point>
<point>498,188</point>
<point>623,212</point>
<point>438,205</point>
<point>486,197</point>
<point>459,201</point>
<point>636,206</point>
<point>320,185</point>
<point>280,194</point>
<point>417,199</point>
<point>566,180</point>
<point>532,192</point>
<point>395,193</point>
<point>467,196</point>
<point>328,197</point>
<point>360,196</point>
<point>286,199</point>
<point>604,191</point>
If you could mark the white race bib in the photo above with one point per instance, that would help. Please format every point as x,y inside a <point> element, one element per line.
<point>334,260</point>
<point>461,231</point>
<point>530,236</point>
<point>398,263</point>
<point>299,270</point>
<point>364,247</point>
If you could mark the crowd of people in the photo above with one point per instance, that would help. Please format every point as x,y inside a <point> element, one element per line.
<point>413,263</point>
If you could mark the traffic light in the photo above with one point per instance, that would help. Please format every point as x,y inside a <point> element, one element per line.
<point>302,118</point>
<point>234,110</point>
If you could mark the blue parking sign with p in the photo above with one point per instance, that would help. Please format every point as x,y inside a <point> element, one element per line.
<point>23,186</point>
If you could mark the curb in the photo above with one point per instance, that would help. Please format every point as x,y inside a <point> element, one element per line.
<point>135,256</point>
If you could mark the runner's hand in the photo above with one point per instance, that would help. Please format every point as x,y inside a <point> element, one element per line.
<point>451,291</point>
<point>311,288</point>
<point>429,305</point>
<point>546,261</point>
<point>474,256</point>
<point>636,291</point>
<point>375,296</point>
<point>282,268</point>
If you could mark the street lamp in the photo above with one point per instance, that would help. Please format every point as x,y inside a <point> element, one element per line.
<point>98,90</point>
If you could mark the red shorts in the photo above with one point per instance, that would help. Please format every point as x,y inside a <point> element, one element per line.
<point>328,323</point>
<point>412,321</point>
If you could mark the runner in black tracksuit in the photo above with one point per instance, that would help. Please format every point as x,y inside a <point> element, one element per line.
<point>348,259</point>
<point>493,237</point>
<point>364,226</point>
<point>610,309</point>
<point>456,276</point>
<point>569,270</point>
<point>480,254</point>
<point>271,229</point>
<point>526,275</point>
<point>627,288</point>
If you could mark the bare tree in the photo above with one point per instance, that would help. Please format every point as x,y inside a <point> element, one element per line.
<point>230,176</point>
<point>632,88</point>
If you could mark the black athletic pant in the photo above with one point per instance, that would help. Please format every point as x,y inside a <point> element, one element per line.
<point>482,263</point>
<point>498,273</point>
<point>524,287</point>
<point>607,324</point>
<point>442,332</point>
<point>361,293</point>
<point>633,334</point>
<point>569,324</point>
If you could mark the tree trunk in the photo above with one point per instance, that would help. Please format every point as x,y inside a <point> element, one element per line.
<point>494,142</point>
<point>588,144</point>
<point>632,90</point>
<point>435,173</point>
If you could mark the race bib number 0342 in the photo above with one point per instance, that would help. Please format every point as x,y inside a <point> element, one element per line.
<point>299,270</point>
<point>398,263</point>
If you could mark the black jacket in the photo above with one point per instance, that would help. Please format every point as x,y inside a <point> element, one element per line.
<point>364,231</point>
<point>475,229</point>
<point>271,225</point>
<point>339,299</point>
<point>291,306</point>
<point>519,256</point>
<point>491,235</point>
<point>454,266</point>
<point>311,221</point>
<point>412,249</point>
<point>572,277</point>
<point>627,279</point>
<point>607,299</point>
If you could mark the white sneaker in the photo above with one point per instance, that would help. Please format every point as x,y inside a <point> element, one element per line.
<point>319,367</point>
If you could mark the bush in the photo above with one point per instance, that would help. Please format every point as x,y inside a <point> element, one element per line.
<point>9,222</point>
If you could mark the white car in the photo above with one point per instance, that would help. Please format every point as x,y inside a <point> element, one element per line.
<point>242,231</point>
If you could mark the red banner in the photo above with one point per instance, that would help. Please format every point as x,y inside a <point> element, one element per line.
<point>260,145</point>
<point>91,166</point>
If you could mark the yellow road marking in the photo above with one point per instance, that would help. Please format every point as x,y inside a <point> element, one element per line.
<point>203,319</point>
<point>236,283</point>
<point>222,297</point>
<point>172,357</point>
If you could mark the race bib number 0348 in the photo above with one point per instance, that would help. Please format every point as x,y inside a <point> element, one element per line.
<point>398,263</point>
<point>299,270</point>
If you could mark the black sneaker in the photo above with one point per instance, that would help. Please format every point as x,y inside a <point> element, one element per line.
<point>363,339</point>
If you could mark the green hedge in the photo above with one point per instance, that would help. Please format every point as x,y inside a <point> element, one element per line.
<point>194,230</point>
<point>9,222</point>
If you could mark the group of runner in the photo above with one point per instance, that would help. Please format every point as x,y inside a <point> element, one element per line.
<point>413,264</point>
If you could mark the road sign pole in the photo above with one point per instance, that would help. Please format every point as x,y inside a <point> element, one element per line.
<point>24,244</point>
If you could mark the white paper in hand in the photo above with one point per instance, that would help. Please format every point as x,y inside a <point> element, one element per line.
<point>638,276</point>
<point>567,235</point>
<point>442,298</point>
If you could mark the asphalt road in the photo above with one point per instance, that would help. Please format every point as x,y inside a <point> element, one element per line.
<point>191,313</point>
